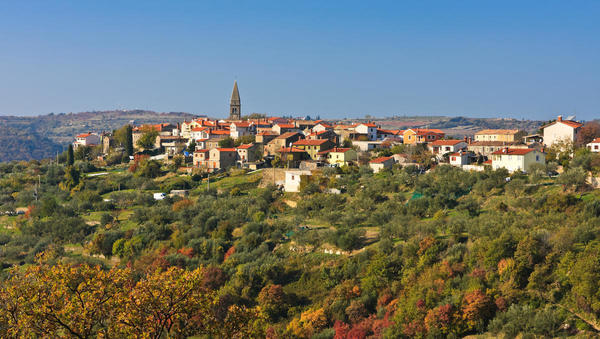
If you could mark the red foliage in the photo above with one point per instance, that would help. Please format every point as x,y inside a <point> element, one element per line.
<point>478,273</point>
<point>341,329</point>
<point>414,328</point>
<point>441,318</point>
<point>229,252</point>
<point>477,306</point>
<point>187,251</point>
<point>425,244</point>
<point>213,277</point>
<point>501,303</point>
<point>421,305</point>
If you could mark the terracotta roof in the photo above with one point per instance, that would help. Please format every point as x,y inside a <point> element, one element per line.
<point>424,131</point>
<point>380,160</point>
<point>290,150</point>
<point>201,151</point>
<point>285,125</point>
<point>199,129</point>
<point>310,142</point>
<point>226,149</point>
<point>446,142</point>
<point>201,140</point>
<point>368,124</point>
<point>84,135</point>
<point>497,131</point>
<point>494,143</point>
<point>242,124</point>
<point>324,125</point>
<point>489,162</point>
<point>595,141</point>
<point>287,135</point>
<point>335,150</point>
<point>220,132</point>
<point>569,123</point>
<point>267,133</point>
<point>456,154</point>
<point>343,126</point>
<point>246,146</point>
<point>513,151</point>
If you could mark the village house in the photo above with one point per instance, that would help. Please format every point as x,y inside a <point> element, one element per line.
<point>283,140</point>
<point>517,159</point>
<point>486,148</point>
<point>326,134</point>
<point>390,134</point>
<point>506,135</point>
<point>221,158</point>
<point>200,158</point>
<point>293,180</point>
<point>247,153</point>
<point>291,157</point>
<point>320,127</point>
<point>86,139</point>
<point>561,130</point>
<point>441,147</point>
<point>265,136</point>
<point>381,163</point>
<point>365,146</point>
<point>284,128</point>
<point>367,130</point>
<point>340,156</point>
<point>594,146</point>
<point>414,136</point>
<point>240,129</point>
<point>313,147</point>
<point>459,159</point>
<point>171,145</point>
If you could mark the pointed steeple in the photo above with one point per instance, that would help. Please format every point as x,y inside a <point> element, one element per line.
<point>235,105</point>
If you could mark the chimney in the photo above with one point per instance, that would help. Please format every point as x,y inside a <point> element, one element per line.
<point>559,118</point>
<point>466,139</point>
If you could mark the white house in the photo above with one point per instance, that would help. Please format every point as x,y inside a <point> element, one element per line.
<point>86,139</point>
<point>458,159</point>
<point>240,129</point>
<point>320,127</point>
<point>441,147</point>
<point>380,163</point>
<point>369,129</point>
<point>517,159</point>
<point>594,146</point>
<point>293,180</point>
<point>560,130</point>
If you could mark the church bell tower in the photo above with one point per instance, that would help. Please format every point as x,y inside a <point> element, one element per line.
<point>235,106</point>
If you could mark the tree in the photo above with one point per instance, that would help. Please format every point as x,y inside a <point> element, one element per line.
<point>70,156</point>
<point>227,142</point>
<point>148,168</point>
<point>588,132</point>
<point>129,140</point>
<point>192,147</point>
<point>148,138</point>
<point>575,178</point>
<point>72,179</point>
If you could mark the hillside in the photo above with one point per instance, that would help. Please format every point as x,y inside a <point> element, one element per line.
<point>41,136</point>
<point>397,254</point>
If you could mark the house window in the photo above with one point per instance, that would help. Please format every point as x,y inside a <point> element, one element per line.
<point>292,177</point>
<point>537,158</point>
<point>453,158</point>
<point>595,146</point>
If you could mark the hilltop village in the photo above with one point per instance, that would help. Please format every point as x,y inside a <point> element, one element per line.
<point>299,146</point>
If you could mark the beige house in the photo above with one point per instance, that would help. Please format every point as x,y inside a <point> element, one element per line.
<point>517,159</point>
<point>281,141</point>
<point>381,163</point>
<point>561,130</point>
<point>505,135</point>
<point>488,147</point>
<point>313,147</point>
<point>247,153</point>
<point>221,158</point>
<point>339,156</point>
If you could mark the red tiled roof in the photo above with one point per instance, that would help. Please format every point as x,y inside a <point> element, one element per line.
<point>424,131</point>
<point>497,131</point>
<point>199,129</point>
<point>380,160</point>
<point>242,124</point>
<point>513,151</point>
<point>595,141</point>
<point>335,150</point>
<point>287,135</point>
<point>267,133</point>
<point>285,125</point>
<point>84,135</point>
<point>569,123</point>
<point>446,142</point>
<point>201,151</point>
<point>488,162</point>
<point>324,125</point>
<point>220,132</point>
<point>310,142</point>
<point>246,146</point>
<point>226,149</point>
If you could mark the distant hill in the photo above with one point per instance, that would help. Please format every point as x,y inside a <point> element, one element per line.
<point>26,138</point>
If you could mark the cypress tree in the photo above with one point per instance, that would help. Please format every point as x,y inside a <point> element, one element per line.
<point>70,156</point>
<point>129,141</point>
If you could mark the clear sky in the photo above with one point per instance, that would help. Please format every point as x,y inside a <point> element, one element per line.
<point>523,59</point>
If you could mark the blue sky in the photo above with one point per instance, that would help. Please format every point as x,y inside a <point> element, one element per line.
<point>523,59</point>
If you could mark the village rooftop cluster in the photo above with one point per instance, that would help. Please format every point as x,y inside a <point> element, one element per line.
<point>300,146</point>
